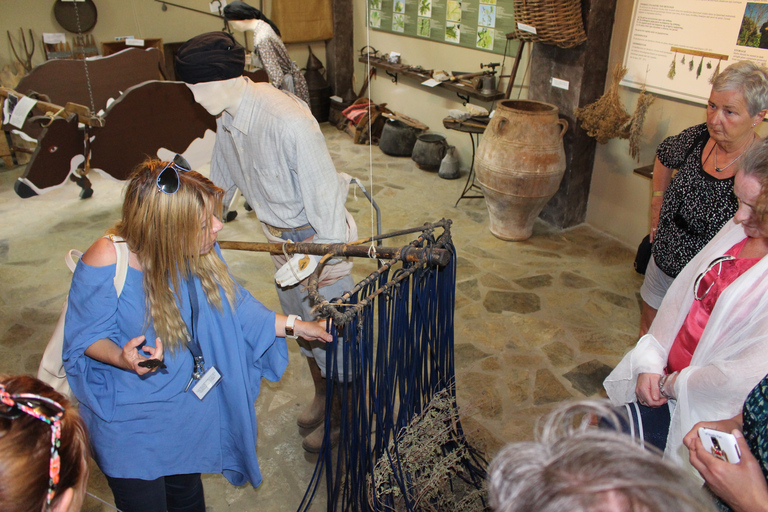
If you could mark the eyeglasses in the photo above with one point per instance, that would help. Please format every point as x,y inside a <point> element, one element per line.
<point>41,408</point>
<point>697,293</point>
<point>168,180</point>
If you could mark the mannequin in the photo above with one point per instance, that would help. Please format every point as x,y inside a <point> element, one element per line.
<point>269,52</point>
<point>270,147</point>
<point>219,96</point>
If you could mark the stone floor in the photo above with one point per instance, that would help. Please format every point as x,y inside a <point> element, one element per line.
<point>537,322</point>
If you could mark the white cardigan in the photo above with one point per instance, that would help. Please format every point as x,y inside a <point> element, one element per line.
<point>730,359</point>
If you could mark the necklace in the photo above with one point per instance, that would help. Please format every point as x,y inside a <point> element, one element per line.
<point>721,169</point>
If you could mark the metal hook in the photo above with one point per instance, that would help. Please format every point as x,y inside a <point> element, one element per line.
<point>465,98</point>
<point>394,77</point>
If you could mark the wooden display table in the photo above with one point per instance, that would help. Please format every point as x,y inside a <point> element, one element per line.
<point>473,129</point>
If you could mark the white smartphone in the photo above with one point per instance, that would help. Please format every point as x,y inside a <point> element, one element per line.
<point>720,444</point>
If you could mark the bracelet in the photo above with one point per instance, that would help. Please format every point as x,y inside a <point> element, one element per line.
<point>658,193</point>
<point>662,383</point>
<point>289,323</point>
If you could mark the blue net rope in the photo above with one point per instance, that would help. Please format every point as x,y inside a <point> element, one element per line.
<point>398,353</point>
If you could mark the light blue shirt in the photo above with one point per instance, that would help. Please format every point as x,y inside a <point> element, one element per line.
<point>274,152</point>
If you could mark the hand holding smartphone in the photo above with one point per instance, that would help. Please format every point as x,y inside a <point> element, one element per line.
<point>720,444</point>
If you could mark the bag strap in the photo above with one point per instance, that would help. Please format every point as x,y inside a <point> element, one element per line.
<point>71,259</point>
<point>121,267</point>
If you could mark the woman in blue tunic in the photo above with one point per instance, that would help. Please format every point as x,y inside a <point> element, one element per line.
<point>167,371</point>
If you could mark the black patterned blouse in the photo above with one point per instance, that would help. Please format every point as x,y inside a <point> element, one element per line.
<point>755,428</point>
<point>696,205</point>
<point>755,415</point>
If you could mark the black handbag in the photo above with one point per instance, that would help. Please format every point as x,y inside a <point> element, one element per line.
<point>643,255</point>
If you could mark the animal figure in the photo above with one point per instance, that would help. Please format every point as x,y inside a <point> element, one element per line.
<point>65,81</point>
<point>144,119</point>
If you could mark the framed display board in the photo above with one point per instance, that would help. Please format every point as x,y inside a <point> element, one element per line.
<point>676,46</point>
<point>477,24</point>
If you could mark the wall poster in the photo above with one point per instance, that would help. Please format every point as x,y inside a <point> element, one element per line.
<point>477,24</point>
<point>676,46</point>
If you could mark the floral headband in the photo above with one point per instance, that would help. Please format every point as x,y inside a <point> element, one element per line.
<point>33,405</point>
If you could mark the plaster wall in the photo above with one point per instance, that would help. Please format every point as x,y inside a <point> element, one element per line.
<point>619,199</point>
<point>430,106</point>
<point>138,18</point>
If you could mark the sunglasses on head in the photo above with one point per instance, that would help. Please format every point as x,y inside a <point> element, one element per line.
<point>45,410</point>
<point>168,180</point>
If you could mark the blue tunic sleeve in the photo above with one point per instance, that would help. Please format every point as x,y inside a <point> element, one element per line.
<point>91,316</point>
<point>269,354</point>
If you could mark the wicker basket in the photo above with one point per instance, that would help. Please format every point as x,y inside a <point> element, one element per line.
<point>557,22</point>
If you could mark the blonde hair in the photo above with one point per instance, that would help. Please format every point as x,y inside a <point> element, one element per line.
<point>165,233</point>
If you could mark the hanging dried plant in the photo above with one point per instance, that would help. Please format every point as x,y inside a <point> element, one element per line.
<point>701,66</point>
<point>682,61</point>
<point>690,64</point>
<point>709,64</point>
<point>636,125</point>
<point>606,118</point>
<point>717,72</point>
<point>672,71</point>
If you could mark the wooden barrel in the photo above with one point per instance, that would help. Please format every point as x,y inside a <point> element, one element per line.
<point>519,164</point>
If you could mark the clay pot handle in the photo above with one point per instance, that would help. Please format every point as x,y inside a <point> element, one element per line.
<point>501,125</point>
<point>564,123</point>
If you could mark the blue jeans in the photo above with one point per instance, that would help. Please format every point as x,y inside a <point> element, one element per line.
<point>173,493</point>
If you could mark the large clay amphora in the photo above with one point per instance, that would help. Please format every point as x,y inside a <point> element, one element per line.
<point>519,164</point>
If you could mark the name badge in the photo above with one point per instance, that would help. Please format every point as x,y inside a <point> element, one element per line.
<point>206,382</point>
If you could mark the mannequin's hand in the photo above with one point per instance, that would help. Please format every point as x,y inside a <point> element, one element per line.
<point>296,269</point>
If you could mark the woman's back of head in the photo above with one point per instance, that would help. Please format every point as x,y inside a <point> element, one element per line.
<point>29,469</point>
<point>583,469</point>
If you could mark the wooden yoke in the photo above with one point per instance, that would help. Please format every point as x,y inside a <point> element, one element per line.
<point>84,115</point>
<point>433,256</point>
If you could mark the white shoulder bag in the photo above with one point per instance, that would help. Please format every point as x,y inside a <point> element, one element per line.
<point>51,369</point>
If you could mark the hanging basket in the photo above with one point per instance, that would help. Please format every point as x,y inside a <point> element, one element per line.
<point>557,22</point>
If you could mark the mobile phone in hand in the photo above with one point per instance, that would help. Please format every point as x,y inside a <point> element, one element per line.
<point>720,444</point>
<point>152,364</point>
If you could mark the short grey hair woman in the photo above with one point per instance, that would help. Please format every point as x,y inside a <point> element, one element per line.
<point>687,210</point>
<point>583,469</point>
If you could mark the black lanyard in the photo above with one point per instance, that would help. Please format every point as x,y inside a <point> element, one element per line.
<point>194,346</point>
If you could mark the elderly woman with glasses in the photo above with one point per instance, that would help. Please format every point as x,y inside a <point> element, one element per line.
<point>708,346</point>
<point>167,371</point>
<point>43,449</point>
